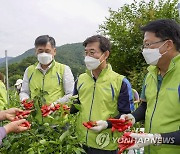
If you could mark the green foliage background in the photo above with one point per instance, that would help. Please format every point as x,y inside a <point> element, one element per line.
<point>122,27</point>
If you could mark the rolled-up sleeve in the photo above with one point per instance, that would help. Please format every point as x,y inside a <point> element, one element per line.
<point>25,92</point>
<point>68,84</point>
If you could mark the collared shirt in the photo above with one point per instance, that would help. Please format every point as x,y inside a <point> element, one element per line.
<point>68,83</point>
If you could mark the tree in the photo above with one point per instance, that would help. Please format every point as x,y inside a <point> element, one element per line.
<point>123,29</point>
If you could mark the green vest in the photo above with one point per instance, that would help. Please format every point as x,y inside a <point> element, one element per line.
<point>52,81</point>
<point>163,107</point>
<point>3,95</point>
<point>98,102</point>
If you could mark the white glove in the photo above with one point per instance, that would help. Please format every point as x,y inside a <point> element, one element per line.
<point>142,140</point>
<point>128,117</point>
<point>53,104</point>
<point>101,125</point>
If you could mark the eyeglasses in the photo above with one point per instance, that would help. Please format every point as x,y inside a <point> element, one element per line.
<point>90,53</point>
<point>147,45</point>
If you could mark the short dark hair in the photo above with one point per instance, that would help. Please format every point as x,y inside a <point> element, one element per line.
<point>44,39</point>
<point>103,41</point>
<point>165,29</point>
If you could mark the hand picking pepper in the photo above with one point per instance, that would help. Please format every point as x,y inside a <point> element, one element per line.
<point>125,142</point>
<point>22,114</point>
<point>89,124</point>
<point>120,124</point>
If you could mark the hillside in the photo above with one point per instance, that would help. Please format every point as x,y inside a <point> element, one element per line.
<point>69,54</point>
<point>2,60</point>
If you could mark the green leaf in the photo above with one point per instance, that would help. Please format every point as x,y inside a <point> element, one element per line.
<point>50,117</point>
<point>63,136</point>
<point>30,151</point>
<point>39,151</point>
<point>53,142</point>
<point>44,142</point>
<point>77,151</point>
<point>77,106</point>
<point>38,115</point>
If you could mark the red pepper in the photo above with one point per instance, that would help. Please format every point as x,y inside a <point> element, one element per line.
<point>125,142</point>
<point>18,117</point>
<point>28,105</point>
<point>26,124</point>
<point>89,124</point>
<point>86,125</point>
<point>23,113</point>
<point>120,124</point>
<point>45,110</point>
<point>65,107</point>
<point>116,120</point>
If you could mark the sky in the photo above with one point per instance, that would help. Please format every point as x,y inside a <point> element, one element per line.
<point>68,21</point>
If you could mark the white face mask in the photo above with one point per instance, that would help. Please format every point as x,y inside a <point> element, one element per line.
<point>44,58</point>
<point>92,63</point>
<point>152,56</point>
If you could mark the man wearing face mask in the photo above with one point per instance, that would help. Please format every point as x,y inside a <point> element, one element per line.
<point>160,107</point>
<point>47,74</point>
<point>102,94</point>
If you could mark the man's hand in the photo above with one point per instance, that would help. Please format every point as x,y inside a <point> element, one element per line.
<point>10,114</point>
<point>100,125</point>
<point>15,126</point>
<point>142,140</point>
<point>129,117</point>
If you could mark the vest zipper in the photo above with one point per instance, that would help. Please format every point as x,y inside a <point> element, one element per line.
<point>91,108</point>
<point>43,82</point>
<point>153,111</point>
<point>152,117</point>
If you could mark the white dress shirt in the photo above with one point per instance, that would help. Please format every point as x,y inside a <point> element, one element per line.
<point>68,84</point>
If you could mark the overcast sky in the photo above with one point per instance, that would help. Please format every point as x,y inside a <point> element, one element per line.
<point>68,21</point>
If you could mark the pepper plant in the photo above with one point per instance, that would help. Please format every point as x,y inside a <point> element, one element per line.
<point>55,133</point>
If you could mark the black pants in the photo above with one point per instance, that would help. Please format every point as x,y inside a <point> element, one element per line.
<point>90,150</point>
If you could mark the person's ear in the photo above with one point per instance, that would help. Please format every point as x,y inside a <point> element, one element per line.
<point>106,54</point>
<point>35,52</point>
<point>170,45</point>
<point>54,51</point>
